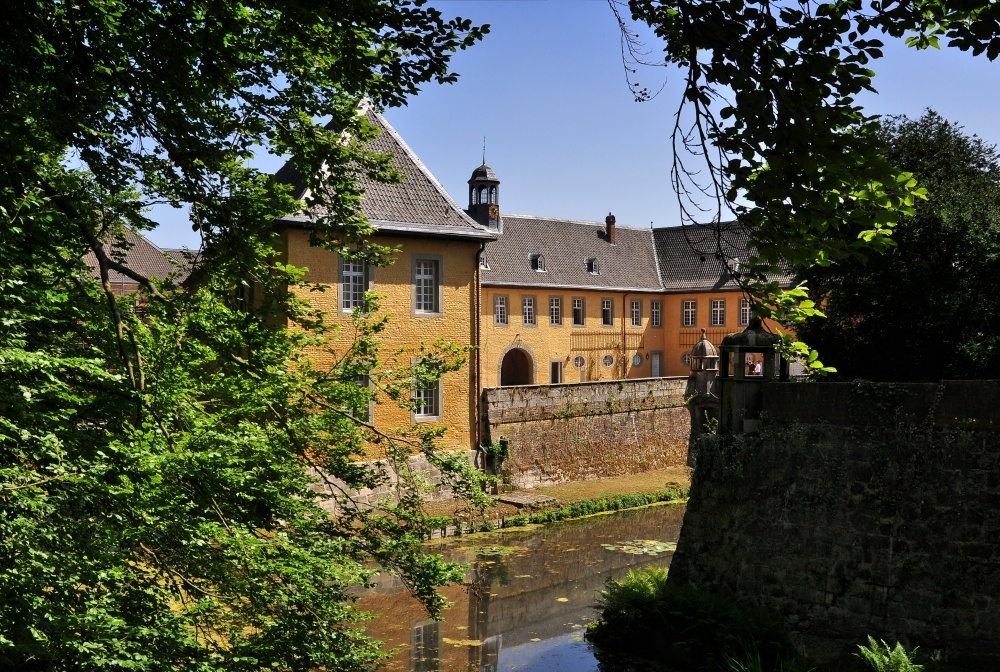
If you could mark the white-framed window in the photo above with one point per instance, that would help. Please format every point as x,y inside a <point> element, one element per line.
<point>501,316</point>
<point>538,263</point>
<point>579,312</point>
<point>579,361</point>
<point>426,399</point>
<point>745,312</point>
<point>484,262</point>
<point>555,311</point>
<point>361,407</point>
<point>427,287</point>
<point>635,312</point>
<point>689,313</point>
<point>353,284</point>
<point>528,311</point>
<point>593,267</point>
<point>607,312</point>
<point>636,360</point>
<point>718,312</point>
<point>655,313</point>
<point>608,361</point>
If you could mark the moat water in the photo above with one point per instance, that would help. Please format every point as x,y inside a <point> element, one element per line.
<point>529,597</point>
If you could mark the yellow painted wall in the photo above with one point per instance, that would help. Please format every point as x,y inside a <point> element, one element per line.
<point>680,338</point>
<point>545,343</point>
<point>405,330</point>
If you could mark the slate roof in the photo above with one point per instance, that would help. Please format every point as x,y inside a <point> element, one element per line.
<point>687,256</point>
<point>417,205</point>
<point>566,245</point>
<point>143,257</point>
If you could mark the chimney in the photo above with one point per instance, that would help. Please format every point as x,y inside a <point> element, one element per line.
<point>610,221</point>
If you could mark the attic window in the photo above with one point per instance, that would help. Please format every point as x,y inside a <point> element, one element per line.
<point>592,266</point>
<point>484,262</point>
<point>538,263</point>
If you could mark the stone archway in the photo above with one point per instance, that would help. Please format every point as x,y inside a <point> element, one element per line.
<point>515,368</point>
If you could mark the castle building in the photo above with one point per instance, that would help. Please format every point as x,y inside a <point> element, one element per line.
<point>567,301</point>
<point>535,300</point>
<point>429,292</point>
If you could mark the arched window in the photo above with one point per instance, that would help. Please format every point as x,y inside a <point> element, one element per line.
<point>472,195</point>
<point>493,194</point>
<point>482,194</point>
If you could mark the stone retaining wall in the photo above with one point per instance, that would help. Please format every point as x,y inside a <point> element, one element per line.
<point>339,493</point>
<point>858,510</point>
<point>582,431</point>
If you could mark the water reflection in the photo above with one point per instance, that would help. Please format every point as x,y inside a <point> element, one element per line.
<point>529,598</point>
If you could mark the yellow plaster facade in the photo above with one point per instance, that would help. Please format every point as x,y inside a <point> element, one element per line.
<point>408,328</point>
<point>566,346</point>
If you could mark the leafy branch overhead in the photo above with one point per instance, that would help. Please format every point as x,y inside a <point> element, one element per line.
<point>769,131</point>
<point>159,454</point>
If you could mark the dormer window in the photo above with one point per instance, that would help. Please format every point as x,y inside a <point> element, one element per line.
<point>538,263</point>
<point>484,262</point>
<point>592,266</point>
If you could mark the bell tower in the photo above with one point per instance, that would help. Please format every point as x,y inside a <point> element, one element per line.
<point>484,197</point>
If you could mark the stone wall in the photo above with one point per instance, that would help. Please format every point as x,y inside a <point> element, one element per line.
<point>582,431</point>
<point>339,493</point>
<point>858,509</point>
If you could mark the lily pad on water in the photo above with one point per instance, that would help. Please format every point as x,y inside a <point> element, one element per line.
<point>499,550</point>
<point>462,642</point>
<point>642,547</point>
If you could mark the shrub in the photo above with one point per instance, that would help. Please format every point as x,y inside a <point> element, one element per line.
<point>882,658</point>
<point>644,615</point>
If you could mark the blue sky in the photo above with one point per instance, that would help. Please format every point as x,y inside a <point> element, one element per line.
<point>564,134</point>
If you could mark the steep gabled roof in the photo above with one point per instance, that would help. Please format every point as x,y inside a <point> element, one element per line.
<point>418,204</point>
<point>688,256</point>
<point>566,245</point>
<point>141,256</point>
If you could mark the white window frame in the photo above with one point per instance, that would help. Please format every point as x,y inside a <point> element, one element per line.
<point>501,311</point>
<point>656,313</point>
<point>354,282</point>
<point>635,312</point>
<point>745,312</point>
<point>607,312</point>
<point>365,414</point>
<point>555,311</point>
<point>689,313</point>
<point>428,289</point>
<point>529,316</point>
<point>428,400</point>
<point>718,313</point>
<point>583,311</point>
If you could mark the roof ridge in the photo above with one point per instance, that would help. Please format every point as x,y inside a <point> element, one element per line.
<point>576,221</point>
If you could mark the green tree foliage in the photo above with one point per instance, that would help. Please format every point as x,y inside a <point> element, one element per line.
<point>157,459</point>
<point>769,131</point>
<point>927,308</point>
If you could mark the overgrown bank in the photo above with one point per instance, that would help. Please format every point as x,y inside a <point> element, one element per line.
<point>650,621</point>
<point>466,522</point>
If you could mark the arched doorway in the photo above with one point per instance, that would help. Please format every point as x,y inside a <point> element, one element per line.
<point>515,369</point>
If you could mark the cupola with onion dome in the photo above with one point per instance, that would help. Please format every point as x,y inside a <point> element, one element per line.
<point>484,196</point>
<point>704,365</point>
